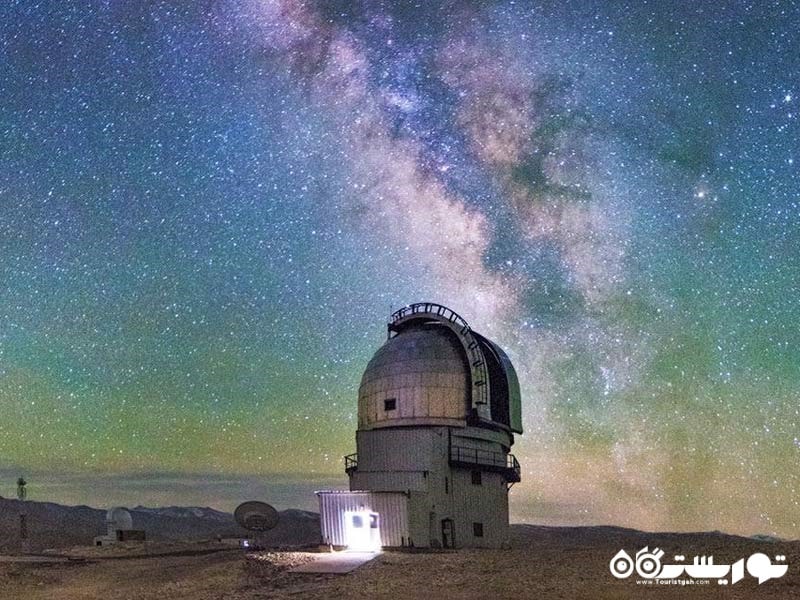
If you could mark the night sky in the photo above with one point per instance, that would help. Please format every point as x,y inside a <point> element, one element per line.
<point>208,210</point>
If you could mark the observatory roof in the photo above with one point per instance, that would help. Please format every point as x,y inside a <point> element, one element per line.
<point>434,370</point>
<point>119,518</point>
<point>420,376</point>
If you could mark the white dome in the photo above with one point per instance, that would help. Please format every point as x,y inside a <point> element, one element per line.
<point>423,374</point>
<point>119,519</point>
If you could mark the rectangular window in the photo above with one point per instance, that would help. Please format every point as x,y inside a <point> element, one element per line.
<point>476,478</point>
<point>446,485</point>
<point>477,529</point>
<point>390,404</point>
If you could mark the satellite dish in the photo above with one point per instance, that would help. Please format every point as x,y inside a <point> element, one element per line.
<point>256,516</point>
<point>119,519</point>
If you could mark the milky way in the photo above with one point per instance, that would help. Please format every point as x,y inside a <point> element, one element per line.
<point>209,209</point>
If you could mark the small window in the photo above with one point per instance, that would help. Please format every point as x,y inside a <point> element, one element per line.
<point>477,529</point>
<point>390,404</point>
<point>358,522</point>
<point>446,485</point>
<point>476,478</point>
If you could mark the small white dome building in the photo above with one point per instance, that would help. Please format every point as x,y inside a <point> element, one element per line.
<point>118,519</point>
<point>119,524</point>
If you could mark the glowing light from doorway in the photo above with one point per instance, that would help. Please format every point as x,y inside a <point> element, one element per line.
<point>362,528</point>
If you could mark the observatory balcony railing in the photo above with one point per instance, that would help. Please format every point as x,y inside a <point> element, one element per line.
<point>350,463</point>
<point>507,464</point>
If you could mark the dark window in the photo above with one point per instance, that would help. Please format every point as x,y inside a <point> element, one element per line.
<point>373,521</point>
<point>358,522</point>
<point>476,478</point>
<point>390,404</point>
<point>477,529</point>
<point>446,485</point>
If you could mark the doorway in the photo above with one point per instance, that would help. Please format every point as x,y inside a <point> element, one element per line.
<point>363,530</point>
<point>448,534</point>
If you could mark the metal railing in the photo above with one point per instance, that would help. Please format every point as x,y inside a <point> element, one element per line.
<point>495,461</point>
<point>467,457</point>
<point>430,307</point>
<point>350,463</point>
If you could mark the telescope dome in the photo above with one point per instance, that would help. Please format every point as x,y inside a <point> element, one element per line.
<point>434,370</point>
<point>119,519</point>
<point>419,376</point>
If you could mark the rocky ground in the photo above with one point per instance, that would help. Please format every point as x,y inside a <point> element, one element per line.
<point>543,563</point>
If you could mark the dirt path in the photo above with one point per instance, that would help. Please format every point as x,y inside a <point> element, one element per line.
<point>194,576</point>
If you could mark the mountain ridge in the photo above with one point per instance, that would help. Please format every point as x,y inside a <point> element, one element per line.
<point>53,525</point>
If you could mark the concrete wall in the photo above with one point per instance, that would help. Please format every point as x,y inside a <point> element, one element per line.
<point>417,460</point>
<point>387,481</point>
<point>397,449</point>
<point>399,459</point>
<point>486,503</point>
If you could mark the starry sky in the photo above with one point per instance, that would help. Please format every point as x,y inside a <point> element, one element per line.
<point>208,210</point>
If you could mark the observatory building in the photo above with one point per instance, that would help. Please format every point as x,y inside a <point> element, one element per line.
<point>119,524</point>
<point>438,407</point>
